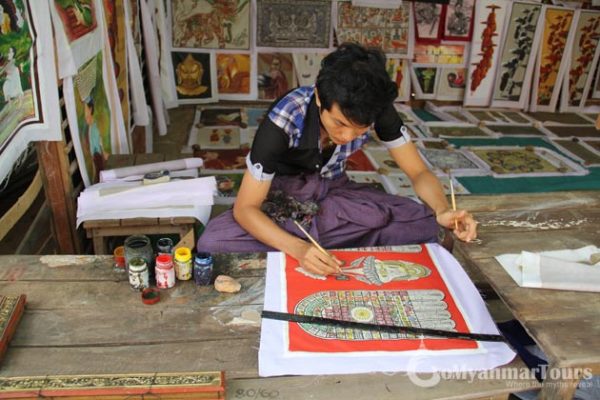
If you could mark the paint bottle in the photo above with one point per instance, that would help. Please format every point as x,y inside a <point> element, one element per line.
<point>164,246</point>
<point>183,263</point>
<point>138,273</point>
<point>140,246</point>
<point>203,266</point>
<point>165,274</point>
<point>119,258</point>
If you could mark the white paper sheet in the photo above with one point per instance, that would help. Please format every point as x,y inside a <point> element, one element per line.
<point>561,269</point>
<point>174,165</point>
<point>274,358</point>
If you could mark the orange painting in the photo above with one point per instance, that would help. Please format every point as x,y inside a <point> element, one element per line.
<point>233,73</point>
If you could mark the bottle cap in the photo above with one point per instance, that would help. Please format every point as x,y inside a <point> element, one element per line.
<point>150,296</point>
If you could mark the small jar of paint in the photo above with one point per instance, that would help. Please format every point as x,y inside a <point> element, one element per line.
<point>139,246</point>
<point>138,273</point>
<point>203,267</point>
<point>165,274</point>
<point>183,263</point>
<point>164,246</point>
<point>119,258</point>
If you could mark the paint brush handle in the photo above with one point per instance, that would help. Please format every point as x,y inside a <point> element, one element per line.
<point>312,240</point>
<point>453,198</point>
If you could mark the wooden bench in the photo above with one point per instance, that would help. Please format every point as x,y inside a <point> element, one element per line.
<point>99,230</point>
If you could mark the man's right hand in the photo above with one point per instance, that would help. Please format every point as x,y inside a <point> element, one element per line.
<point>317,262</point>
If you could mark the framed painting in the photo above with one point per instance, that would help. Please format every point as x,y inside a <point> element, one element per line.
<point>584,56</point>
<point>195,76</point>
<point>429,18</point>
<point>416,285</point>
<point>307,66</point>
<point>435,54</point>
<point>451,84</point>
<point>293,24</point>
<point>483,61</point>
<point>210,24</point>
<point>276,75</point>
<point>424,81</point>
<point>397,69</point>
<point>77,36</point>
<point>522,36</point>
<point>388,29</point>
<point>458,20</point>
<point>29,98</point>
<point>557,39</point>
<point>518,162</point>
<point>89,114</point>
<point>235,76</point>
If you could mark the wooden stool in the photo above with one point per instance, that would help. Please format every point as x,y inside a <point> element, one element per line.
<point>98,230</point>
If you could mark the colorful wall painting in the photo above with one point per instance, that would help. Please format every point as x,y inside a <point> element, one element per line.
<point>557,38</point>
<point>515,161</point>
<point>522,36</point>
<point>276,75</point>
<point>307,66</point>
<point>388,29</point>
<point>451,84</point>
<point>77,36</point>
<point>487,35</point>
<point>458,20</point>
<point>424,81</point>
<point>579,70</point>
<point>89,116</point>
<point>288,23</point>
<point>195,77</point>
<point>441,54</point>
<point>219,138</point>
<point>28,97</point>
<point>397,69</point>
<point>211,24</point>
<point>429,18</point>
<point>235,76</point>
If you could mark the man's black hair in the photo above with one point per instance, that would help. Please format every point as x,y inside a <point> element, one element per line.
<point>355,78</point>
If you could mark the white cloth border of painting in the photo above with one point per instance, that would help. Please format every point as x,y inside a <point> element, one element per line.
<point>441,112</point>
<point>481,170</point>
<point>467,112</point>
<point>533,106</point>
<point>274,359</point>
<point>453,124</point>
<point>547,154</point>
<point>526,88</point>
<point>564,94</point>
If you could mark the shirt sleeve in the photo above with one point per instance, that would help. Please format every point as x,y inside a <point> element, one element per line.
<point>390,129</point>
<point>270,143</point>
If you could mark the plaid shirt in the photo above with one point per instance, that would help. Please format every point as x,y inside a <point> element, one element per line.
<point>289,114</point>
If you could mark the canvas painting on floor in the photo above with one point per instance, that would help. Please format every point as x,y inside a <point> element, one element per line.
<point>210,24</point>
<point>517,59</point>
<point>515,161</point>
<point>371,178</point>
<point>293,24</point>
<point>195,77</point>
<point>221,117</point>
<point>584,55</point>
<point>235,76</point>
<point>222,159</point>
<point>485,53</point>
<point>399,184</point>
<point>456,162</point>
<point>358,161</point>
<point>276,75</point>
<point>457,131</point>
<point>491,116</point>
<point>458,20</point>
<point>551,118</point>
<point>556,42</point>
<point>254,116</point>
<point>579,150</point>
<point>219,138</point>
<point>227,187</point>
<point>516,130</point>
<point>383,161</point>
<point>388,29</point>
<point>29,96</point>
<point>589,131</point>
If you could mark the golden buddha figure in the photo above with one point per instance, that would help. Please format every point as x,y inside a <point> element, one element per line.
<point>189,77</point>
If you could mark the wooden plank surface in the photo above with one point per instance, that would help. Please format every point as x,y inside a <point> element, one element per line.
<point>530,201</point>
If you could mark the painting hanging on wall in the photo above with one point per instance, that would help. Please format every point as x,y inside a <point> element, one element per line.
<point>89,115</point>
<point>557,38</point>
<point>579,69</point>
<point>77,35</point>
<point>458,20</point>
<point>397,69</point>
<point>195,77</point>
<point>307,66</point>
<point>424,81</point>
<point>487,34</point>
<point>288,23</point>
<point>441,54</point>
<point>522,36</point>
<point>275,75</point>
<point>388,29</point>
<point>211,24</point>
<point>29,98</point>
<point>234,76</point>
<point>428,21</point>
<point>451,84</point>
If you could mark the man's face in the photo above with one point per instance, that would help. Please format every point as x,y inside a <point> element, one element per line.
<point>339,128</point>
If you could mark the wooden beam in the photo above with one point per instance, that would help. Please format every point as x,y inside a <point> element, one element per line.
<point>14,214</point>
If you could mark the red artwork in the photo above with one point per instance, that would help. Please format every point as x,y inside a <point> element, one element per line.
<point>385,288</point>
<point>358,161</point>
<point>487,49</point>
<point>78,17</point>
<point>222,159</point>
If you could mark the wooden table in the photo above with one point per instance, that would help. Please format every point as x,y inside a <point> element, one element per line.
<point>565,324</point>
<point>82,318</point>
